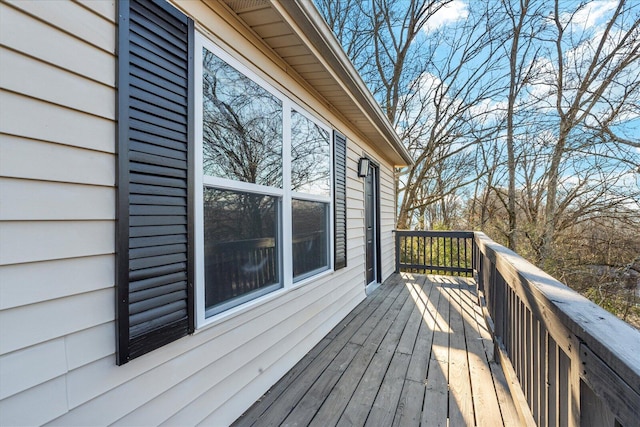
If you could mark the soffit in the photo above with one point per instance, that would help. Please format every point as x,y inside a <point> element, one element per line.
<point>295,32</point>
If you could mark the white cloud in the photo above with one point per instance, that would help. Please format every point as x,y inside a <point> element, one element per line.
<point>448,14</point>
<point>489,111</point>
<point>423,88</point>
<point>590,14</point>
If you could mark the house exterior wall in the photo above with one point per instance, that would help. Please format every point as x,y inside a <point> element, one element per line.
<point>57,245</point>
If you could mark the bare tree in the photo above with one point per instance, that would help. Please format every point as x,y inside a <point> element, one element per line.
<point>435,86</point>
<point>593,79</point>
<point>573,94</point>
<point>523,19</point>
<point>379,36</point>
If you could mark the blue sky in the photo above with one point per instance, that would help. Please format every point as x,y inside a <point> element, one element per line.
<point>584,30</point>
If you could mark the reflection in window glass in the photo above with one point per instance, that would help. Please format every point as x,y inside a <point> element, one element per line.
<point>310,157</point>
<point>242,126</point>
<point>241,245</point>
<point>310,236</point>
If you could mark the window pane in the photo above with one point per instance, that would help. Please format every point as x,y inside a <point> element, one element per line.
<point>241,247</point>
<point>310,236</point>
<point>242,126</point>
<point>310,156</point>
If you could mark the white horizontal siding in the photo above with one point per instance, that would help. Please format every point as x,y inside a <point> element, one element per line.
<point>104,8</point>
<point>42,40</point>
<point>55,162</point>
<point>48,280</point>
<point>38,120</point>
<point>355,204</point>
<point>355,211</point>
<point>57,207</point>
<point>48,240</point>
<point>52,84</point>
<point>79,22</point>
<point>356,235</point>
<point>46,361</point>
<point>91,344</point>
<point>40,200</point>
<point>25,326</point>
<point>35,406</point>
<point>57,201</point>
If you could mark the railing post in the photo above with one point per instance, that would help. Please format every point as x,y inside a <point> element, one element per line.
<point>475,274</point>
<point>397,251</point>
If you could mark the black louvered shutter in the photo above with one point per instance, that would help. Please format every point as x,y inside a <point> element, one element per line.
<point>340,199</point>
<point>154,270</point>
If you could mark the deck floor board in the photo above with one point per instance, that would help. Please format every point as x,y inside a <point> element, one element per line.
<point>436,391</point>
<point>415,352</point>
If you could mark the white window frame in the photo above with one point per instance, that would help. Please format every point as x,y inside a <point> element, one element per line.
<point>285,194</point>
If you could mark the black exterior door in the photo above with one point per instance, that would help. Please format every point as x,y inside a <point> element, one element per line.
<point>371,223</point>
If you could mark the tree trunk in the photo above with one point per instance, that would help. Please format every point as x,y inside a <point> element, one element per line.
<point>551,202</point>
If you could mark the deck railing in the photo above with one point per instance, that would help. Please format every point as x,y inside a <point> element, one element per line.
<point>435,252</point>
<point>568,361</point>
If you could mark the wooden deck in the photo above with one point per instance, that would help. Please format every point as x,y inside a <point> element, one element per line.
<point>415,352</point>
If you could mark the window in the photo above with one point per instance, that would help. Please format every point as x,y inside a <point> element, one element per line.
<point>310,154</point>
<point>264,209</point>
<point>310,225</point>
<point>242,126</point>
<point>311,182</point>
<point>240,245</point>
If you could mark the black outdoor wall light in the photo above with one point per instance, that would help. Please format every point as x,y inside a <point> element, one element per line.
<point>363,167</point>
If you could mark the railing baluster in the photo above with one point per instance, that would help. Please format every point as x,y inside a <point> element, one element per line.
<point>432,253</point>
<point>424,252</point>
<point>411,253</point>
<point>517,351</point>
<point>466,261</point>
<point>528,353</point>
<point>564,392</point>
<point>405,248</point>
<point>521,346</point>
<point>552,381</point>
<point>455,253</point>
<point>416,250</point>
<point>438,251</point>
<point>544,349</point>
<point>458,251</point>
<point>535,378</point>
<point>414,253</point>
<point>397,241</point>
<point>450,258</point>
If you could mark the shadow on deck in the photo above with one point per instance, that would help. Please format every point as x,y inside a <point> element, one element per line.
<point>415,351</point>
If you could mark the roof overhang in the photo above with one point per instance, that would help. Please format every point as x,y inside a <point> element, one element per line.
<point>296,32</point>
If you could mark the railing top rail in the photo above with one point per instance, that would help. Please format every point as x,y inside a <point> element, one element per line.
<point>611,339</point>
<point>433,233</point>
